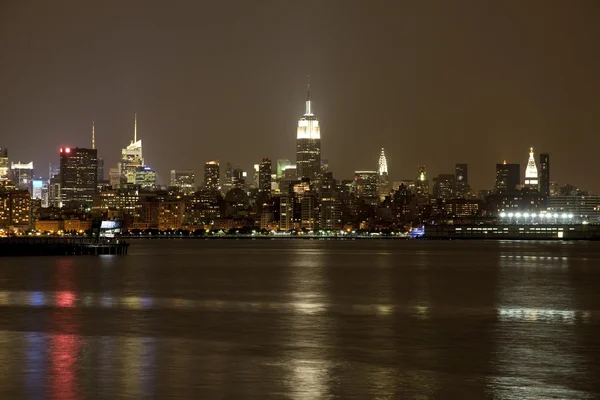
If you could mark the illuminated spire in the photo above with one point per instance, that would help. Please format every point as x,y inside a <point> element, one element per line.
<point>93,136</point>
<point>382,163</point>
<point>531,172</point>
<point>134,127</point>
<point>308,110</point>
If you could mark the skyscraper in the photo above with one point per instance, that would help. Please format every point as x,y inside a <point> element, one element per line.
<point>508,177</point>
<point>184,180</point>
<point>78,176</point>
<point>3,164</point>
<point>211,176</point>
<point>22,174</point>
<point>545,174</point>
<point>264,175</point>
<point>443,186</point>
<point>531,173</point>
<point>100,160</point>
<point>145,177</point>
<point>422,184</point>
<point>461,176</point>
<point>382,174</point>
<point>367,187</point>
<point>308,144</point>
<point>131,156</point>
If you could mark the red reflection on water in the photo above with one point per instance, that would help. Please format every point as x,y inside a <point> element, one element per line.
<point>63,358</point>
<point>65,299</point>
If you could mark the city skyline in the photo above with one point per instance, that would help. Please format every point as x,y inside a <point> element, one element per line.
<point>242,105</point>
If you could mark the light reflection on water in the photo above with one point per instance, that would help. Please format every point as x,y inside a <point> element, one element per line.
<point>431,320</point>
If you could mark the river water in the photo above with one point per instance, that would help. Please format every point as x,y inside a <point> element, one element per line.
<point>304,319</point>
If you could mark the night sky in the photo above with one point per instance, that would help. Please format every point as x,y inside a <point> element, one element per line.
<point>434,82</point>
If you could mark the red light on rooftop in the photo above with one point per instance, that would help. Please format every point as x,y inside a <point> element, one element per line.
<point>67,150</point>
<point>61,149</point>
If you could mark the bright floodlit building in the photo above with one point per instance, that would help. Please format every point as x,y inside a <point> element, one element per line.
<point>308,144</point>
<point>22,174</point>
<point>382,172</point>
<point>131,157</point>
<point>531,173</point>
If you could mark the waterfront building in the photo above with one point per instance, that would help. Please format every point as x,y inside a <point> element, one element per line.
<point>286,212</point>
<point>184,180</point>
<point>584,207</point>
<point>15,208</point>
<point>211,176</point>
<point>78,176</point>
<point>508,177</point>
<point>531,174</point>
<point>382,173</point>
<point>545,174</point>
<point>308,144</point>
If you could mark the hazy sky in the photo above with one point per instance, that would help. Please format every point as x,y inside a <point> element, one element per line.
<point>434,82</point>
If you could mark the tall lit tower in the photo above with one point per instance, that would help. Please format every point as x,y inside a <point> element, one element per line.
<point>382,176</point>
<point>308,144</point>
<point>531,173</point>
<point>131,156</point>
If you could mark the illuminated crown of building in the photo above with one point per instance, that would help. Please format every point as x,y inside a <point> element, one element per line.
<point>308,125</point>
<point>531,172</point>
<point>382,163</point>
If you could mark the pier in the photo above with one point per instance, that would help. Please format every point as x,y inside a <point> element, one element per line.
<point>54,246</point>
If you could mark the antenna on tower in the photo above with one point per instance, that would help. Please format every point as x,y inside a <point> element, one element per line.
<point>134,127</point>
<point>93,136</point>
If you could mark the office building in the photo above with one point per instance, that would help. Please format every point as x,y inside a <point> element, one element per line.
<point>286,212</point>
<point>422,184</point>
<point>443,186</point>
<point>264,176</point>
<point>78,176</point>
<point>531,174</point>
<point>382,176</point>
<point>131,157</point>
<point>508,177</point>
<point>238,178</point>
<point>145,177</point>
<point>211,176</point>
<point>367,186</point>
<point>15,208</point>
<point>22,174</point>
<point>308,144</point>
<point>3,164</point>
<point>227,184</point>
<point>545,174</point>
<point>461,176</point>
<point>184,180</point>
<point>36,189</point>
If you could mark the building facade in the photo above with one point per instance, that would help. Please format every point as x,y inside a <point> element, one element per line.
<point>461,177</point>
<point>211,176</point>
<point>545,174</point>
<point>308,145</point>
<point>22,174</point>
<point>383,177</point>
<point>264,175</point>
<point>3,164</point>
<point>184,180</point>
<point>145,177</point>
<point>78,176</point>
<point>508,177</point>
<point>532,181</point>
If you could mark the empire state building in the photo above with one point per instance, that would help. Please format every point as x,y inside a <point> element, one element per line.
<point>308,145</point>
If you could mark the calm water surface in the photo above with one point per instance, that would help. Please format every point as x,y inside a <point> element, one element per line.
<point>261,319</point>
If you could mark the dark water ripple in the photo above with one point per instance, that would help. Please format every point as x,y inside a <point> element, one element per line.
<point>304,320</point>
